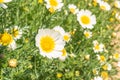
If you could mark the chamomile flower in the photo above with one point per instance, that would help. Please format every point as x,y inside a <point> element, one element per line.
<point>66,35</point>
<point>107,67</point>
<point>104,6</point>
<point>2,3</point>
<point>98,47</point>
<point>101,58</point>
<point>117,4</point>
<point>116,56</point>
<point>86,19</point>
<point>104,75</point>
<point>64,55</point>
<point>88,34</point>
<point>17,32</point>
<point>54,4</point>
<point>98,78</point>
<point>73,9</point>
<point>6,39</point>
<point>50,43</point>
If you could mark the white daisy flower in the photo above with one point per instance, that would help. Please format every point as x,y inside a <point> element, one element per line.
<point>101,58</point>
<point>117,4</point>
<point>98,47</point>
<point>104,6</point>
<point>54,4</point>
<point>98,78</point>
<point>86,19</point>
<point>64,55</point>
<point>88,34</point>
<point>6,39</point>
<point>17,32</point>
<point>66,35</point>
<point>2,3</point>
<point>50,43</point>
<point>73,9</point>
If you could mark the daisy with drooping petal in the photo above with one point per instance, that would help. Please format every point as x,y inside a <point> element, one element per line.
<point>2,3</point>
<point>64,55</point>
<point>88,34</point>
<point>17,32</point>
<point>86,19</point>
<point>66,35</point>
<point>104,6</point>
<point>73,9</point>
<point>50,43</point>
<point>117,4</point>
<point>98,47</point>
<point>53,5</point>
<point>98,78</point>
<point>6,39</point>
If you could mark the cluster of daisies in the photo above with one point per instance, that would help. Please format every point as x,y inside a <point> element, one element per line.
<point>10,36</point>
<point>51,42</point>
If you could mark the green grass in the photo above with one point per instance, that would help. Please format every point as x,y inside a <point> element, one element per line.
<point>30,16</point>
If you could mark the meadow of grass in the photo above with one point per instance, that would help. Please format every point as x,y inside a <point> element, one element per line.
<point>81,63</point>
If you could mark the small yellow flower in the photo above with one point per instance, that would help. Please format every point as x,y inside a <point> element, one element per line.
<point>104,75</point>
<point>51,10</point>
<point>102,59</point>
<point>116,55</point>
<point>87,57</point>
<point>40,1</point>
<point>77,73</point>
<point>95,71</point>
<point>59,75</point>
<point>94,3</point>
<point>12,63</point>
<point>111,19</point>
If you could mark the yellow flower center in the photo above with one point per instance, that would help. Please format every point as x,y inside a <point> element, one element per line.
<point>47,44</point>
<point>97,47</point>
<point>12,63</point>
<point>1,1</point>
<point>52,10</point>
<point>72,10</point>
<point>116,4</point>
<point>116,55</point>
<point>104,74</point>
<point>87,34</point>
<point>102,58</point>
<point>59,75</point>
<point>53,2</point>
<point>66,37</point>
<point>105,67</point>
<point>40,1</point>
<point>6,39</point>
<point>64,53</point>
<point>103,7</point>
<point>15,32</point>
<point>85,19</point>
